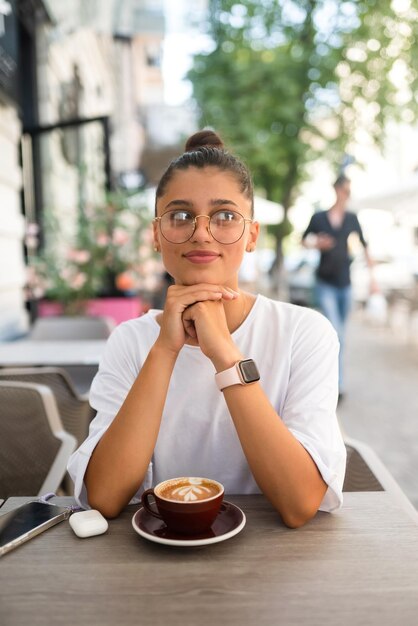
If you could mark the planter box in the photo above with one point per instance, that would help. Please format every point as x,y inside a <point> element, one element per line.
<point>117,309</point>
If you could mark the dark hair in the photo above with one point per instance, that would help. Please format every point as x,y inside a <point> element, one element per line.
<point>206,149</point>
<point>341,181</point>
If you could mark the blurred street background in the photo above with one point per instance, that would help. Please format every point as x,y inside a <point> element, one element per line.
<point>381,403</point>
<point>97,97</point>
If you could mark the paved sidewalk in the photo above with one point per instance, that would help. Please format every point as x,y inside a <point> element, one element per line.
<point>381,403</point>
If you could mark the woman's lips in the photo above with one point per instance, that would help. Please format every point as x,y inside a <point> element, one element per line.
<point>201,256</point>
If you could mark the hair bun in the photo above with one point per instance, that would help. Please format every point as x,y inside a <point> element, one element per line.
<point>203,139</point>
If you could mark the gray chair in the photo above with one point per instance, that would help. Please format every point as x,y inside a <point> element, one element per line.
<point>74,409</point>
<point>359,476</point>
<point>34,447</point>
<point>67,328</point>
<point>366,472</point>
<point>81,375</point>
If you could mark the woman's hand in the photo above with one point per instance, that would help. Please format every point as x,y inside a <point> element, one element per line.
<point>207,323</point>
<point>176,327</point>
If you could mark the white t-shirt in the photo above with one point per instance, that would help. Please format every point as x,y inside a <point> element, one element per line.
<point>296,351</point>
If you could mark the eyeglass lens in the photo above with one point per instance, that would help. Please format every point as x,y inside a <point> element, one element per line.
<point>225,226</point>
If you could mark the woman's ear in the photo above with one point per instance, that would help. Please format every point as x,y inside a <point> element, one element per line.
<point>254,232</point>
<point>156,237</point>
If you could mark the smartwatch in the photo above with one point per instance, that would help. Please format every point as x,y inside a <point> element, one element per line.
<point>242,373</point>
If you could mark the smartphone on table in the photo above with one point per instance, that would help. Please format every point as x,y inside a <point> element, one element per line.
<point>27,521</point>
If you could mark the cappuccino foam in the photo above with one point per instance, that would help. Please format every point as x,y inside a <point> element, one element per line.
<point>189,490</point>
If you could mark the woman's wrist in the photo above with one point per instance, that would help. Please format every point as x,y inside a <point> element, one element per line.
<point>226,358</point>
<point>160,349</point>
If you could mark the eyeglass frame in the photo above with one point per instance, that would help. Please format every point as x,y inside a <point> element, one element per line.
<point>245,219</point>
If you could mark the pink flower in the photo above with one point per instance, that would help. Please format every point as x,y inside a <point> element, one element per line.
<point>38,292</point>
<point>79,256</point>
<point>78,281</point>
<point>31,274</point>
<point>150,282</point>
<point>148,236</point>
<point>143,251</point>
<point>120,237</point>
<point>149,267</point>
<point>102,240</point>
<point>66,273</point>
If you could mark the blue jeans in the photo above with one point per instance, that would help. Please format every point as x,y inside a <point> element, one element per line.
<point>335,304</point>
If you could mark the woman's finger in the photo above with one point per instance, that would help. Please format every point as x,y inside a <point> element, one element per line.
<point>184,300</point>
<point>189,328</point>
<point>186,296</point>
<point>202,287</point>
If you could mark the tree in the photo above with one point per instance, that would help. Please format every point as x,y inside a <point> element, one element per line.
<point>289,81</point>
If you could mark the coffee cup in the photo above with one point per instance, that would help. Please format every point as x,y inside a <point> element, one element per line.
<point>188,505</point>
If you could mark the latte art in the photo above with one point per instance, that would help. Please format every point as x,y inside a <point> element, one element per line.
<point>189,490</point>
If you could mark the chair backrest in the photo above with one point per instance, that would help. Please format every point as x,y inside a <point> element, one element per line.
<point>81,376</point>
<point>66,328</point>
<point>34,447</point>
<point>74,410</point>
<point>359,476</point>
<point>366,472</point>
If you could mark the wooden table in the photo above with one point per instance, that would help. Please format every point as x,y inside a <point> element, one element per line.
<point>355,567</point>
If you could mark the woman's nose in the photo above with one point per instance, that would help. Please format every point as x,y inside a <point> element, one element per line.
<point>202,232</point>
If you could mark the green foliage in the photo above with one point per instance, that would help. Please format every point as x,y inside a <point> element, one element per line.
<point>281,230</point>
<point>288,81</point>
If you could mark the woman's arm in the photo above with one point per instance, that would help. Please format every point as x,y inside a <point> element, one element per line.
<point>281,466</point>
<point>120,460</point>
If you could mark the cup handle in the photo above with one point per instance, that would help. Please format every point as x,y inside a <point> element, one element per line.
<point>145,503</point>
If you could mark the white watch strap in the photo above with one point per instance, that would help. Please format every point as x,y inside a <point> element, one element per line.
<point>228,377</point>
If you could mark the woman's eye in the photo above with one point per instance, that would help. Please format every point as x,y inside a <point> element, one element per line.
<point>180,217</point>
<point>224,217</point>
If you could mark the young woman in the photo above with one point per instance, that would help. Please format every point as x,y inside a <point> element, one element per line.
<point>177,392</point>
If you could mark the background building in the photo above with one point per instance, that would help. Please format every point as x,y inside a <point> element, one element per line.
<point>76,80</point>
<point>17,22</point>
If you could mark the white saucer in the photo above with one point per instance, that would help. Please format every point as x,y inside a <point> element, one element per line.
<point>230,521</point>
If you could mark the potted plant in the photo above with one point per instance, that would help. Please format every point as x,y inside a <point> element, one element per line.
<point>110,258</point>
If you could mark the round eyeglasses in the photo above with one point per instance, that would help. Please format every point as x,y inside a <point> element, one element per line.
<point>224,226</point>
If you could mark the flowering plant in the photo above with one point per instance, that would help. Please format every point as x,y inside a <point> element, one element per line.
<point>110,254</point>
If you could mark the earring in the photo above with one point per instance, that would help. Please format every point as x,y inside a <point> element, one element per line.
<point>156,248</point>
<point>250,247</point>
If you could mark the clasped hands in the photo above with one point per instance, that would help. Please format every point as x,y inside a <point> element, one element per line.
<point>196,313</point>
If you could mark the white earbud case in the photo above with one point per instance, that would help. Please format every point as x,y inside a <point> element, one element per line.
<point>88,523</point>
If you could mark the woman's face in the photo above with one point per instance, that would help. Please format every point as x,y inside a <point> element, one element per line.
<point>202,259</point>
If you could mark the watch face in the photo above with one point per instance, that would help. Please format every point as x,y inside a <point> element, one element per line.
<point>249,371</point>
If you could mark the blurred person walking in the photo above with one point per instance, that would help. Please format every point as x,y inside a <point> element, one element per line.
<point>328,231</point>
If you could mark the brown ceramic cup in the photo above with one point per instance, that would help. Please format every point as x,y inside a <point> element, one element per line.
<point>188,505</point>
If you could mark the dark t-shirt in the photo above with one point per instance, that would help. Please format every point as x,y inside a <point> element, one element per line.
<point>334,264</point>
